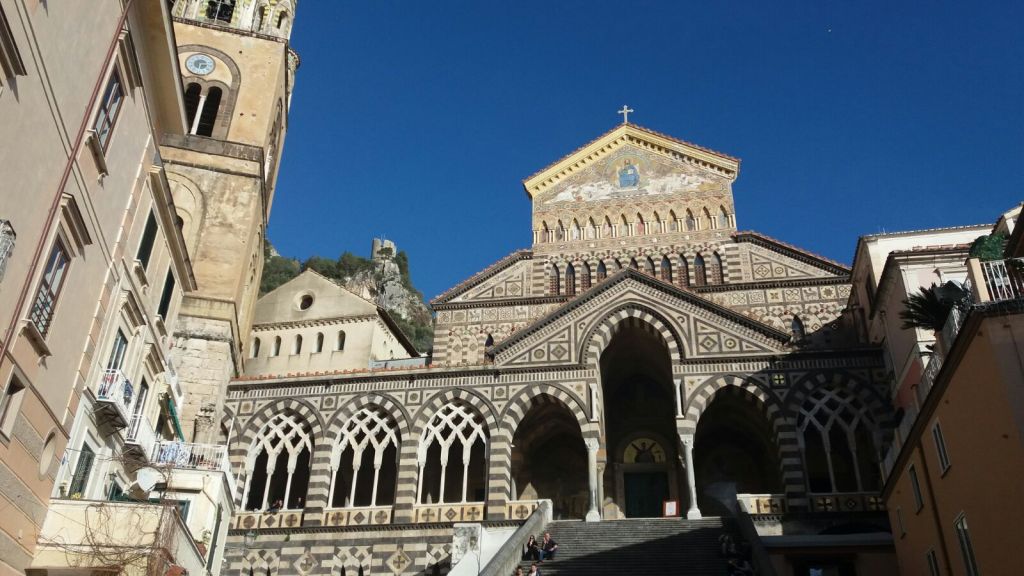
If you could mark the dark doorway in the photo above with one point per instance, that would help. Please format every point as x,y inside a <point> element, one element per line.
<point>645,492</point>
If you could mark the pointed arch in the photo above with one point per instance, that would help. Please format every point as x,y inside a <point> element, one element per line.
<point>633,264</point>
<point>796,327</point>
<point>570,280</point>
<point>554,280</point>
<point>706,217</point>
<point>602,271</point>
<point>723,217</point>
<point>640,227</point>
<point>673,224</point>
<point>623,226</point>
<point>364,454</point>
<point>666,269</point>
<point>648,266</point>
<point>657,225</point>
<point>700,277</point>
<point>600,334</point>
<point>690,222</point>
<point>545,233</point>
<point>683,277</point>
<point>277,465</point>
<point>576,232</point>
<point>607,231</point>
<point>584,276</point>
<point>560,232</point>
<point>459,425</point>
<point>591,229</point>
<point>715,274</point>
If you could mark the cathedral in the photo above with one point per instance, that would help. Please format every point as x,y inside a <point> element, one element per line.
<point>643,358</point>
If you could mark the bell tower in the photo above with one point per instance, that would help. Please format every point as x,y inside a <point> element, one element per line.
<point>238,70</point>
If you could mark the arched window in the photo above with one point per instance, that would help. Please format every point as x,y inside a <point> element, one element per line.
<point>276,350</point>
<point>220,10</point>
<point>297,347</point>
<point>602,271</point>
<point>640,229</point>
<point>255,347</point>
<point>648,266</point>
<point>576,232</point>
<point>584,276</point>
<point>591,229</point>
<point>319,342</point>
<point>570,280</point>
<point>282,20</point>
<point>192,94</point>
<point>707,218</point>
<point>208,116</point>
<point>673,224</point>
<point>341,340</point>
<point>261,16</point>
<point>715,275</point>
<point>364,461</point>
<point>560,232</point>
<point>277,466</point>
<point>554,287</point>
<point>837,435</point>
<point>657,226</point>
<point>797,327</point>
<point>607,231</point>
<point>691,222</point>
<point>545,233</point>
<point>666,270</point>
<point>623,226</point>
<point>723,218</point>
<point>700,277</point>
<point>633,264</point>
<point>452,457</point>
<point>684,272</point>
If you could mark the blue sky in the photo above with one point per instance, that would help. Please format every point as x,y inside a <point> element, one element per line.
<point>419,120</point>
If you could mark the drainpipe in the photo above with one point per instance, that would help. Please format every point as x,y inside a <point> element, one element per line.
<point>55,203</point>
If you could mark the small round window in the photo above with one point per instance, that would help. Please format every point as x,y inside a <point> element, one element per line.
<point>47,454</point>
<point>305,301</point>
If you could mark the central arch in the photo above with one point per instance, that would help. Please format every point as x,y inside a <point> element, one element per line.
<point>643,467</point>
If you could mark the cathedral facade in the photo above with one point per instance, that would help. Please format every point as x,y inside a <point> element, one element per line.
<point>643,358</point>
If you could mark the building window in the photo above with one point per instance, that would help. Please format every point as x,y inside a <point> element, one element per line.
<point>715,274</point>
<point>796,326</point>
<point>208,115</point>
<point>193,94</point>
<point>452,457</point>
<point>110,106</point>
<point>255,347</point>
<point>690,221</point>
<point>963,535</point>
<point>165,296</point>
<point>584,276</point>
<point>933,563</point>
<point>940,447</point>
<point>10,402</point>
<point>319,342</point>
<point>364,461</point>
<point>837,437</point>
<point>602,271</point>
<point>220,10</point>
<point>277,467</point>
<point>50,287</point>
<point>282,19</point>
<point>915,486</point>
<point>83,469</point>
<point>700,277</point>
<point>148,239</point>
<point>7,238</point>
<point>723,218</point>
<point>341,340</point>
<point>117,352</point>
<point>554,287</point>
<point>11,64</point>
<point>570,280</point>
<point>261,15</point>
<point>684,272</point>
<point>297,347</point>
<point>276,349</point>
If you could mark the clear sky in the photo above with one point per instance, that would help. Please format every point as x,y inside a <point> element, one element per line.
<point>418,120</point>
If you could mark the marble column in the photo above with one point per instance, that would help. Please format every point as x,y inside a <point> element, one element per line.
<point>691,482</point>
<point>594,513</point>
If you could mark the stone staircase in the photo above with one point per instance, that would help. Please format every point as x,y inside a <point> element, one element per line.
<point>638,547</point>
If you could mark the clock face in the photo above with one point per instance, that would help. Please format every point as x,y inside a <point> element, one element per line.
<point>200,64</point>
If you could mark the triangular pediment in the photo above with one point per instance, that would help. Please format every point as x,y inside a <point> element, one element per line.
<point>696,166</point>
<point>698,329</point>
<point>309,297</point>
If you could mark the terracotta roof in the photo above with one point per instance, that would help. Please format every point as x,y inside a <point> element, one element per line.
<point>482,275</point>
<point>638,127</point>
<point>786,247</point>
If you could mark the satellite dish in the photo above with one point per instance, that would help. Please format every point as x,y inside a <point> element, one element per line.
<point>147,478</point>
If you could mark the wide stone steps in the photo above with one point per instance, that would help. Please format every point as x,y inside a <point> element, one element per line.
<point>638,547</point>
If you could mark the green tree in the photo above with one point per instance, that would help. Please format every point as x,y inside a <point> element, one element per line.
<point>326,266</point>
<point>276,271</point>
<point>988,247</point>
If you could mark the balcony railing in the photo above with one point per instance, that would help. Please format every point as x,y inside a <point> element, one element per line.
<point>1003,279</point>
<point>115,395</point>
<point>140,436</point>
<point>191,456</point>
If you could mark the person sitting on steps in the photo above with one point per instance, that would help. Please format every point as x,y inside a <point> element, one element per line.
<point>548,548</point>
<point>534,570</point>
<point>530,552</point>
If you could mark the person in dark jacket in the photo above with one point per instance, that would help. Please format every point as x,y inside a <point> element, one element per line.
<point>548,547</point>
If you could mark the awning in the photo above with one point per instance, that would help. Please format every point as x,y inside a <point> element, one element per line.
<point>174,418</point>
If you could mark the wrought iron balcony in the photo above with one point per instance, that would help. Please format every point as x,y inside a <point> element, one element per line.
<point>1000,280</point>
<point>189,456</point>
<point>114,398</point>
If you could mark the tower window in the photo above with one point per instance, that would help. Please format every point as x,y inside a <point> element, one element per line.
<point>282,20</point>
<point>192,95</point>
<point>208,117</point>
<point>221,10</point>
<point>261,15</point>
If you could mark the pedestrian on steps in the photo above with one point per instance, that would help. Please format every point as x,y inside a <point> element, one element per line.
<point>548,547</point>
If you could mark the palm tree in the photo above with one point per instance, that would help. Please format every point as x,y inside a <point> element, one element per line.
<point>929,307</point>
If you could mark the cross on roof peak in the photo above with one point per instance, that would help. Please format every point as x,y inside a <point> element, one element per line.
<point>625,113</point>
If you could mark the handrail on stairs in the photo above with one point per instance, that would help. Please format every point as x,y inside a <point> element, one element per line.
<point>511,552</point>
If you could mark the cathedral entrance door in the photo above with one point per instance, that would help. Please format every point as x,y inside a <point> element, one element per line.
<point>645,492</point>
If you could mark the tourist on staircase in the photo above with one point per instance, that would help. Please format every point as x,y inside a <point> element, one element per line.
<point>548,548</point>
